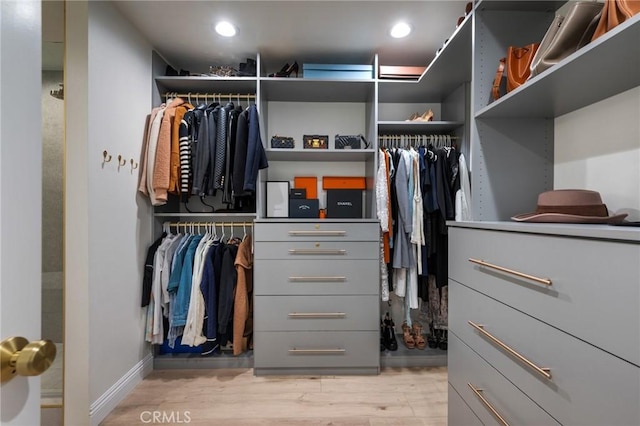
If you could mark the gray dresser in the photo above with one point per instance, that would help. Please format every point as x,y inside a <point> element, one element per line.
<point>316,297</point>
<point>544,324</point>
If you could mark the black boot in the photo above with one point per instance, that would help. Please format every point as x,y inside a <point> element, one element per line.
<point>443,345</point>
<point>392,343</point>
<point>432,340</point>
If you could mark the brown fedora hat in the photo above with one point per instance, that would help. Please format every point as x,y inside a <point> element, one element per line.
<point>570,206</point>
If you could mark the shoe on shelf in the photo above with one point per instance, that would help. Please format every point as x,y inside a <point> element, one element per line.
<point>407,337</point>
<point>383,337</point>
<point>283,69</point>
<point>414,116</point>
<point>427,116</point>
<point>286,70</point>
<point>247,69</point>
<point>417,334</point>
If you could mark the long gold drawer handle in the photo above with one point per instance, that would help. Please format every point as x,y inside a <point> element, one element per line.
<point>317,351</point>
<point>314,233</point>
<point>317,315</point>
<point>488,405</point>
<point>317,251</point>
<point>543,371</point>
<point>544,281</point>
<point>316,279</point>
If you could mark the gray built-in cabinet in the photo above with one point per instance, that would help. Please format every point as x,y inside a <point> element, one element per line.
<point>295,107</point>
<point>316,297</point>
<point>560,344</point>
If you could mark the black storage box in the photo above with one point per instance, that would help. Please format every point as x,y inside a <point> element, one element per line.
<point>299,207</point>
<point>344,203</point>
<point>300,193</point>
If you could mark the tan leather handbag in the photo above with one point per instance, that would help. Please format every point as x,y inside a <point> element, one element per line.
<point>614,13</point>
<point>519,64</point>
<point>566,35</point>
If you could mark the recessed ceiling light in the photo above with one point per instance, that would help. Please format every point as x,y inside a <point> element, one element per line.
<point>400,30</point>
<point>225,29</point>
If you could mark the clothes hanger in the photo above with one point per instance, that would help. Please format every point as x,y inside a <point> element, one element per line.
<point>244,230</point>
<point>231,236</point>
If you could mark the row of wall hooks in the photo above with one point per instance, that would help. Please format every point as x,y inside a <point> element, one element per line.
<point>122,162</point>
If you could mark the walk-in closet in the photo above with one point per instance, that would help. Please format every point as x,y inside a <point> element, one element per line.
<point>287,212</point>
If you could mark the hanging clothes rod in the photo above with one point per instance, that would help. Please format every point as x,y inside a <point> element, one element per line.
<point>210,224</point>
<point>209,95</point>
<point>386,137</point>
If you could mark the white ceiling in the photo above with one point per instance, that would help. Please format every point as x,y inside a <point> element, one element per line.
<point>286,31</point>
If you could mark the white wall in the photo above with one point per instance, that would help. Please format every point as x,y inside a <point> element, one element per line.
<point>20,196</point>
<point>598,148</point>
<point>116,223</point>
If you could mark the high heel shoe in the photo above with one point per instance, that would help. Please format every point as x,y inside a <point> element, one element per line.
<point>427,116</point>
<point>287,70</point>
<point>417,333</point>
<point>414,116</point>
<point>283,69</point>
<point>409,342</point>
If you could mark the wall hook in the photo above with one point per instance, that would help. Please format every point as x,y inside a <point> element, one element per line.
<point>134,165</point>
<point>106,157</point>
<point>121,161</point>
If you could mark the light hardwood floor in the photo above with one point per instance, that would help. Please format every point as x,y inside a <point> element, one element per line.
<point>397,397</point>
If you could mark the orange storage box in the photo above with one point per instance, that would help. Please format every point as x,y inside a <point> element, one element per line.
<point>310,183</point>
<point>344,182</point>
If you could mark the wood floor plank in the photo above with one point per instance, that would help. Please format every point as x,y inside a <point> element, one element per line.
<point>409,421</point>
<point>431,405</point>
<point>396,397</point>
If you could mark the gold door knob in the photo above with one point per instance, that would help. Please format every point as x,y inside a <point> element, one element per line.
<point>19,357</point>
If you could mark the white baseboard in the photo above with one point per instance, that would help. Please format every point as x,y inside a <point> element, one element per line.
<point>101,408</point>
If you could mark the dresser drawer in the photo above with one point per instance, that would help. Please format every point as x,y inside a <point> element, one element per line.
<point>587,386</point>
<point>309,277</point>
<point>595,284</point>
<point>300,313</point>
<point>325,250</point>
<point>316,349</point>
<point>317,231</point>
<point>467,368</point>
<point>458,412</point>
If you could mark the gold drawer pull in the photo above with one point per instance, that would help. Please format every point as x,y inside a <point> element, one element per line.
<point>315,233</point>
<point>316,279</point>
<point>489,406</point>
<point>317,251</point>
<point>543,371</point>
<point>317,315</point>
<point>317,351</point>
<point>544,281</point>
